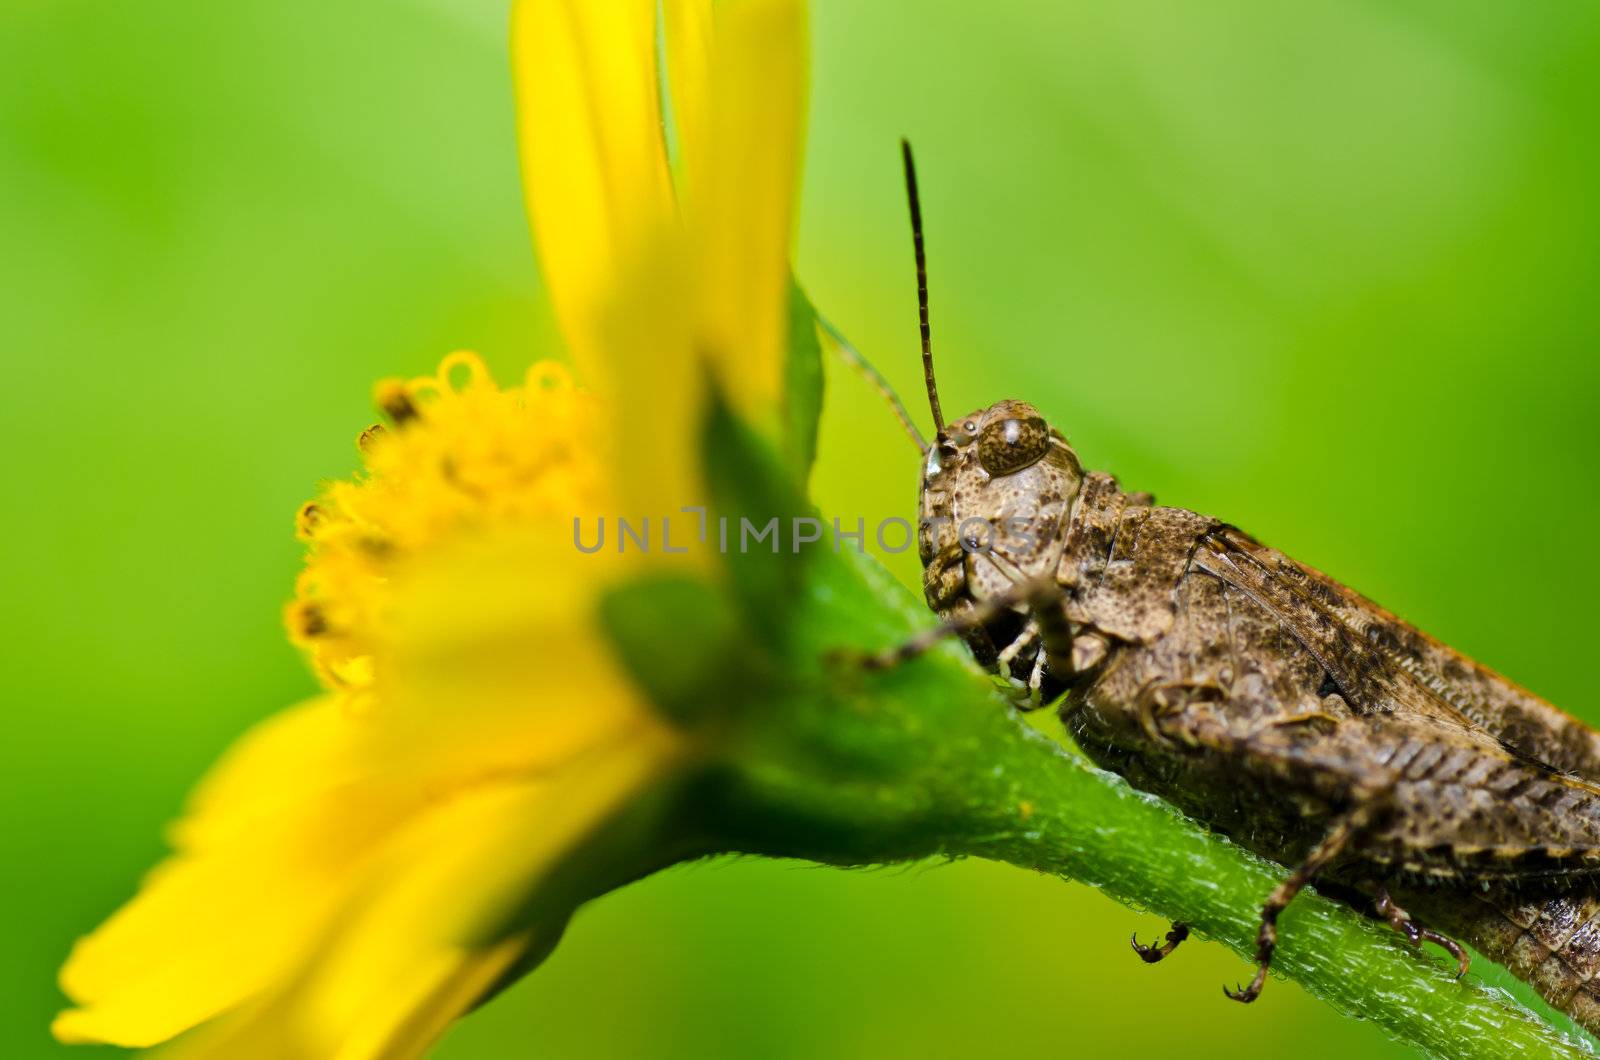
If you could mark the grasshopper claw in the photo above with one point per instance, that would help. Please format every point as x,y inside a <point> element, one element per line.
<point>1450,946</point>
<point>1416,934</point>
<point>1243,994</point>
<point>1152,954</point>
<point>854,660</point>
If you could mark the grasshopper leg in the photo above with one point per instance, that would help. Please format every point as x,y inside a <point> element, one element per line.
<point>1152,954</point>
<point>1416,934</point>
<point>1039,595</point>
<point>1321,855</point>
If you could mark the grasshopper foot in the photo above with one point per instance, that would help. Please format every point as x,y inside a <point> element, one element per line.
<point>1153,954</point>
<point>1246,994</point>
<point>889,658</point>
<point>1320,856</point>
<point>859,660</point>
<point>1416,934</point>
<point>1266,943</point>
<point>845,663</point>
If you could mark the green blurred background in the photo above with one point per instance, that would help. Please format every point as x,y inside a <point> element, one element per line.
<point>1326,269</point>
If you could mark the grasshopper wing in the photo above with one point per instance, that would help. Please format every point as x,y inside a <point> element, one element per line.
<point>1463,798</point>
<point>1386,659</point>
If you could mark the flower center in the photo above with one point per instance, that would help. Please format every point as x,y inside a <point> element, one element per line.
<point>459,457</point>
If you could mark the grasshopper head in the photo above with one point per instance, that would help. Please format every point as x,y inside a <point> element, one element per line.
<point>999,484</point>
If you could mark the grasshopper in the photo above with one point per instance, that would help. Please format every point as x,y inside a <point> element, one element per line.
<point>1265,700</point>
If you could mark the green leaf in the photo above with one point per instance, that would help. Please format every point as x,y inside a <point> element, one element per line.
<point>680,638</point>
<point>802,386</point>
<point>757,516</point>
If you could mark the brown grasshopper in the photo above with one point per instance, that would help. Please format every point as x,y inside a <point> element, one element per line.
<point>1265,699</point>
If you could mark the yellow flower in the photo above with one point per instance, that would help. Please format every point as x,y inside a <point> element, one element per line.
<point>362,869</point>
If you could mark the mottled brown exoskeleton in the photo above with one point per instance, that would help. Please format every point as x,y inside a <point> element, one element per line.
<point>1266,700</point>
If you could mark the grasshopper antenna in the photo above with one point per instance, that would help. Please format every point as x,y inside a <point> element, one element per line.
<point>854,358</point>
<point>922,282</point>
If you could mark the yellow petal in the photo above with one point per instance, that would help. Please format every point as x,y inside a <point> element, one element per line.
<point>494,661</point>
<point>742,172</point>
<point>610,241</point>
<point>401,961</point>
<point>437,993</point>
<point>643,298</point>
<point>687,28</point>
<point>277,836</point>
<point>594,161</point>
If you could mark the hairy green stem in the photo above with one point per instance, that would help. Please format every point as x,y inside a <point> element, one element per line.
<point>857,769</point>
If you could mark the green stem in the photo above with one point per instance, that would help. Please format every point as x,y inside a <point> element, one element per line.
<point>921,762</point>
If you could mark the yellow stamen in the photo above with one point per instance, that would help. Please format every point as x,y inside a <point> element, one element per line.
<point>473,456</point>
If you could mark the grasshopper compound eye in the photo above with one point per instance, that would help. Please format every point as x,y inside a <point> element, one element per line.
<point>1011,444</point>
